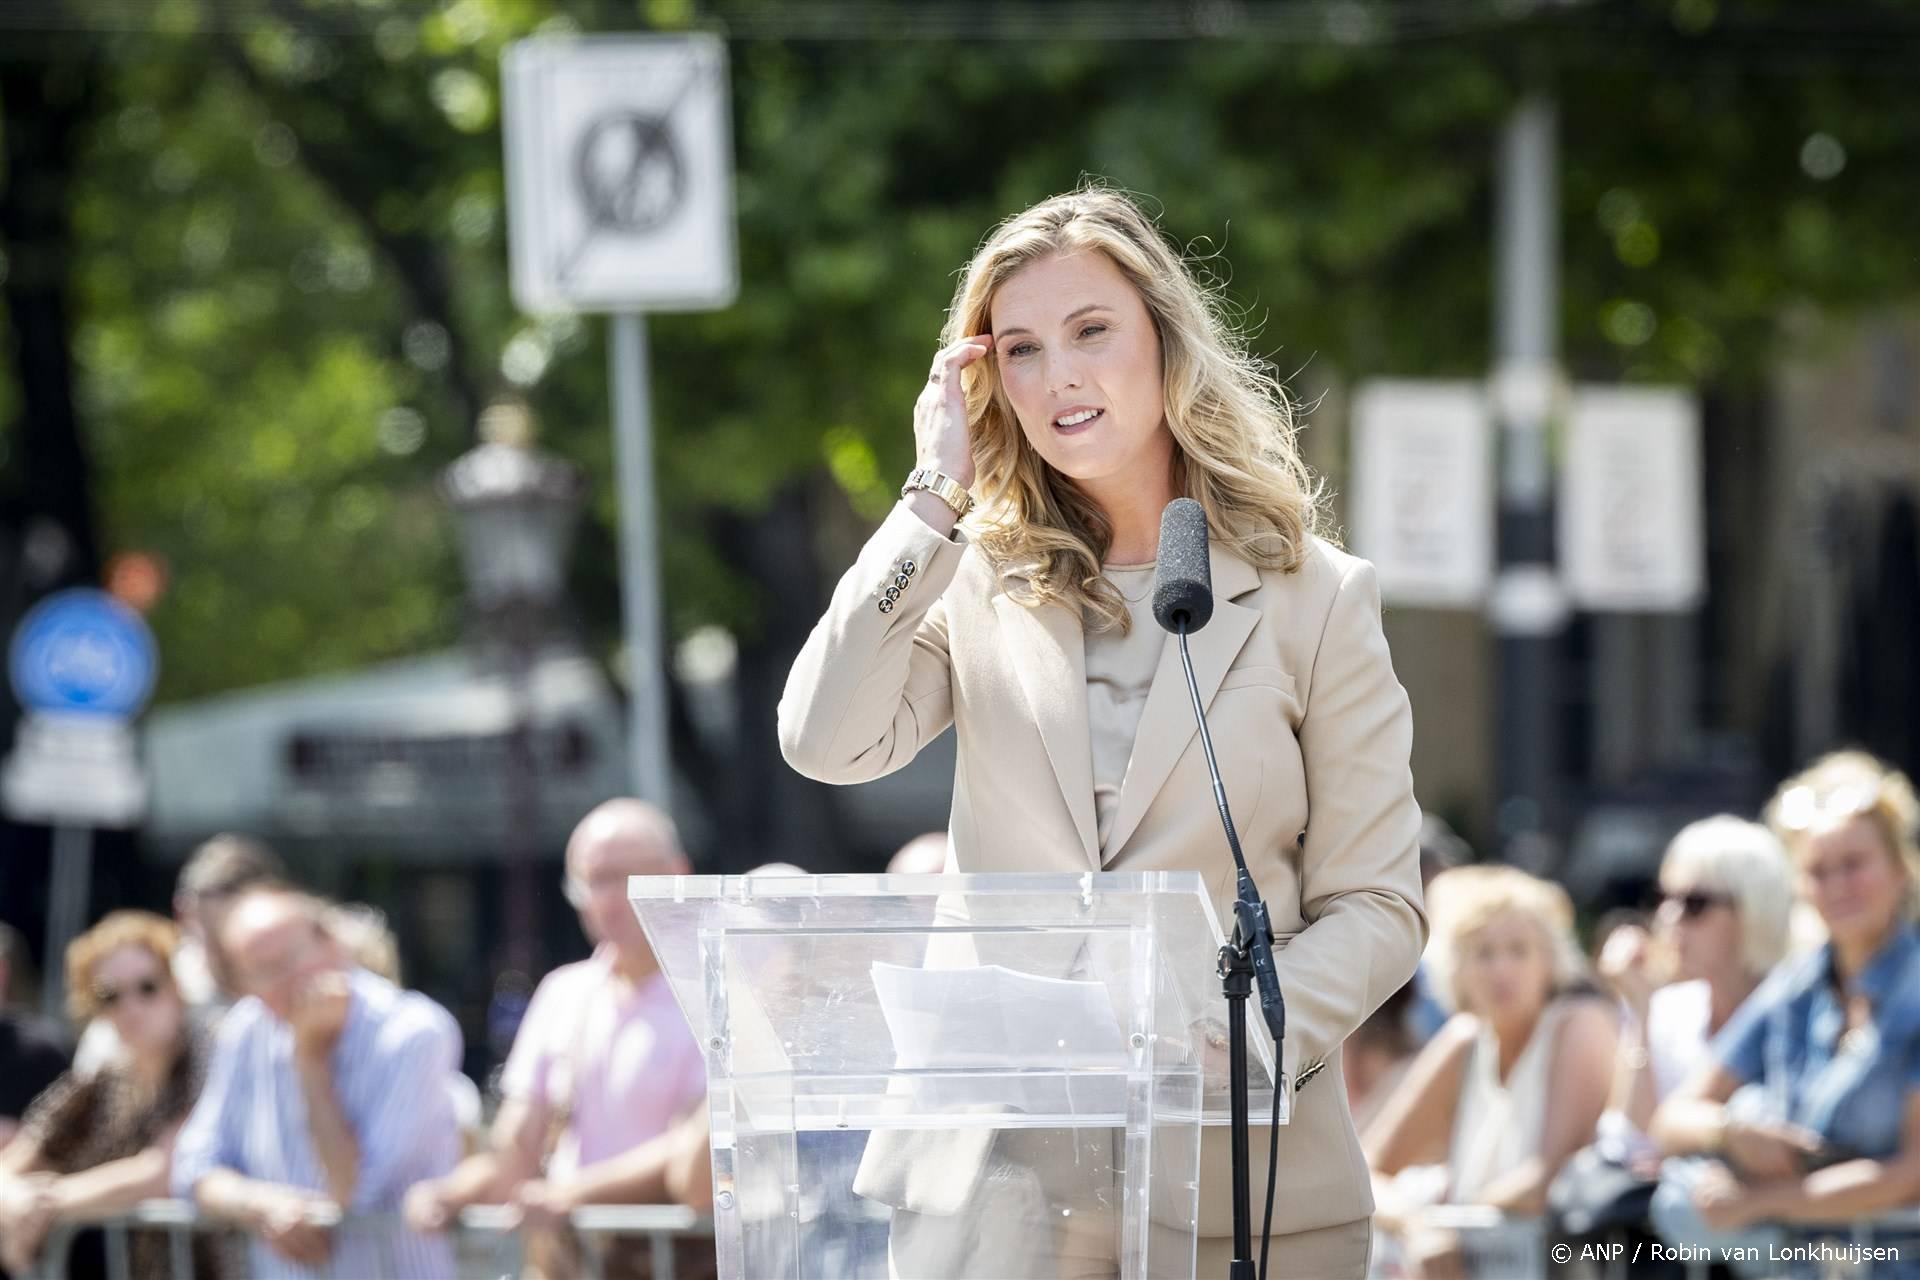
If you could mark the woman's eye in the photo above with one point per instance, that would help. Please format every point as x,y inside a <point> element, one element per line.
<point>1019,348</point>
<point>1092,329</point>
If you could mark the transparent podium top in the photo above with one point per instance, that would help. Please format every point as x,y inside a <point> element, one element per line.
<point>872,1002</point>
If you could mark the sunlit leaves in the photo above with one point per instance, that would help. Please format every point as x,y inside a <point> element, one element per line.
<point>267,401</point>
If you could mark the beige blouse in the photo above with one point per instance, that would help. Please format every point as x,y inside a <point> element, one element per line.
<point>1119,673</point>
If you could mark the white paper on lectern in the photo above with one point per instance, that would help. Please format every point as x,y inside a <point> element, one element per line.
<point>985,1016</point>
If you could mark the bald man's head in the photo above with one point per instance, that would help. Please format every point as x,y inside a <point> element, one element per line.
<point>640,836</point>
<point>618,839</point>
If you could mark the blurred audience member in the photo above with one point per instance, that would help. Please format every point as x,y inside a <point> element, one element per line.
<point>1726,891</point>
<point>1726,894</point>
<point>677,1166</point>
<point>924,855</point>
<point>216,871</point>
<point>604,1059</point>
<point>1471,1124</point>
<point>326,1094</point>
<point>33,1051</point>
<point>1808,1109</point>
<point>101,1143</point>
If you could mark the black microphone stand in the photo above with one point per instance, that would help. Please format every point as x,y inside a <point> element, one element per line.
<point>1246,958</point>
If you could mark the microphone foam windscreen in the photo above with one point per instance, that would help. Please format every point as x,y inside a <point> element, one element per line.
<point>1182,580</point>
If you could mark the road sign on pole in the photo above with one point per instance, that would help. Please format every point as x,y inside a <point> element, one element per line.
<point>83,666</point>
<point>619,157</point>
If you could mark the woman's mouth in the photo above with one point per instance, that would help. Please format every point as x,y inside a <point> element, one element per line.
<point>1077,421</point>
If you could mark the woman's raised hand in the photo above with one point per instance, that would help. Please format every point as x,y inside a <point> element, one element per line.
<point>940,415</point>
<point>1627,964</point>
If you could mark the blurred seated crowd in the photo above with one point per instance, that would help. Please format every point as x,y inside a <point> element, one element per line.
<point>1739,1067</point>
<point>1734,1080</point>
<point>256,1056</point>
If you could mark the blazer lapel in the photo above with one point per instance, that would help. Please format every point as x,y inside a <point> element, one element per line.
<point>1166,723</point>
<point>1052,670</point>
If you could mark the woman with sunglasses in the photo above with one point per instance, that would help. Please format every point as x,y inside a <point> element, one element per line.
<point>98,1144</point>
<point>1726,896</point>
<point>1807,1113</point>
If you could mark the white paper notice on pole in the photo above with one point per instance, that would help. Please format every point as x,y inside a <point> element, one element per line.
<point>619,157</point>
<point>1423,490</point>
<point>1630,521</point>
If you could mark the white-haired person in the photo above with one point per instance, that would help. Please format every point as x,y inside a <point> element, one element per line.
<point>1086,379</point>
<point>1806,1117</point>
<point>1726,902</point>
<point>1514,1082</point>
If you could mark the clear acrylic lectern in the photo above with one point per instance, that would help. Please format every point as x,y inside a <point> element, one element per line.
<point>954,1076</point>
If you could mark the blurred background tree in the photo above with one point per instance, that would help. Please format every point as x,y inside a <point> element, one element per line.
<point>254,263</point>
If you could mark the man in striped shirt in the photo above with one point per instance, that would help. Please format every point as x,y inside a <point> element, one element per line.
<point>326,1095</point>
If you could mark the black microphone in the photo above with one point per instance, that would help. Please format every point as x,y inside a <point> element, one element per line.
<point>1182,577</point>
<point>1182,604</point>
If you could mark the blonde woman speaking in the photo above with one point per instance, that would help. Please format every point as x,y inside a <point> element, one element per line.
<point>1086,380</point>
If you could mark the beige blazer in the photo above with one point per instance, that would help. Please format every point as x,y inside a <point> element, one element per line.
<point>1313,734</point>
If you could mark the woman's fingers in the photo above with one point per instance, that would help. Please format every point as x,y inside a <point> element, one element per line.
<point>940,417</point>
<point>953,358</point>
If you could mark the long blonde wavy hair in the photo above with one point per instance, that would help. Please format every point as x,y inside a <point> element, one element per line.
<point>1233,427</point>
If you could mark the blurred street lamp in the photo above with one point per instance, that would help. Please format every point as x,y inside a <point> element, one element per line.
<point>516,508</point>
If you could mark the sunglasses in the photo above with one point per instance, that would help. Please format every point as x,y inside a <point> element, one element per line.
<point>107,997</point>
<point>1696,903</point>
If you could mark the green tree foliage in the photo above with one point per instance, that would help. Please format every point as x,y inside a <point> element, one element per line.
<point>288,262</point>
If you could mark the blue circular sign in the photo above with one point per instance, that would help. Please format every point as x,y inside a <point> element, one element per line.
<point>84,652</point>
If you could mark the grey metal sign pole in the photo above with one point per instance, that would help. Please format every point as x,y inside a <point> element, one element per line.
<point>619,154</point>
<point>67,896</point>
<point>639,559</point>
<point>1529,607</point>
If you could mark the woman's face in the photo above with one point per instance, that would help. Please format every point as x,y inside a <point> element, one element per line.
<point>1505,969</point>
<point>1080,362</point>
<point>1853,880</point>
<point>1701,927</point>
<point>133,990</point>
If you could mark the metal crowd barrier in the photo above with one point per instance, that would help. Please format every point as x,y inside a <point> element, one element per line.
<point>1497,1247</point>
<point>487,1242</point>
<point>1494,1246</point>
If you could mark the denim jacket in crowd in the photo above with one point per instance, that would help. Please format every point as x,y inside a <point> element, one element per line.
<point>1790,1040</point>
